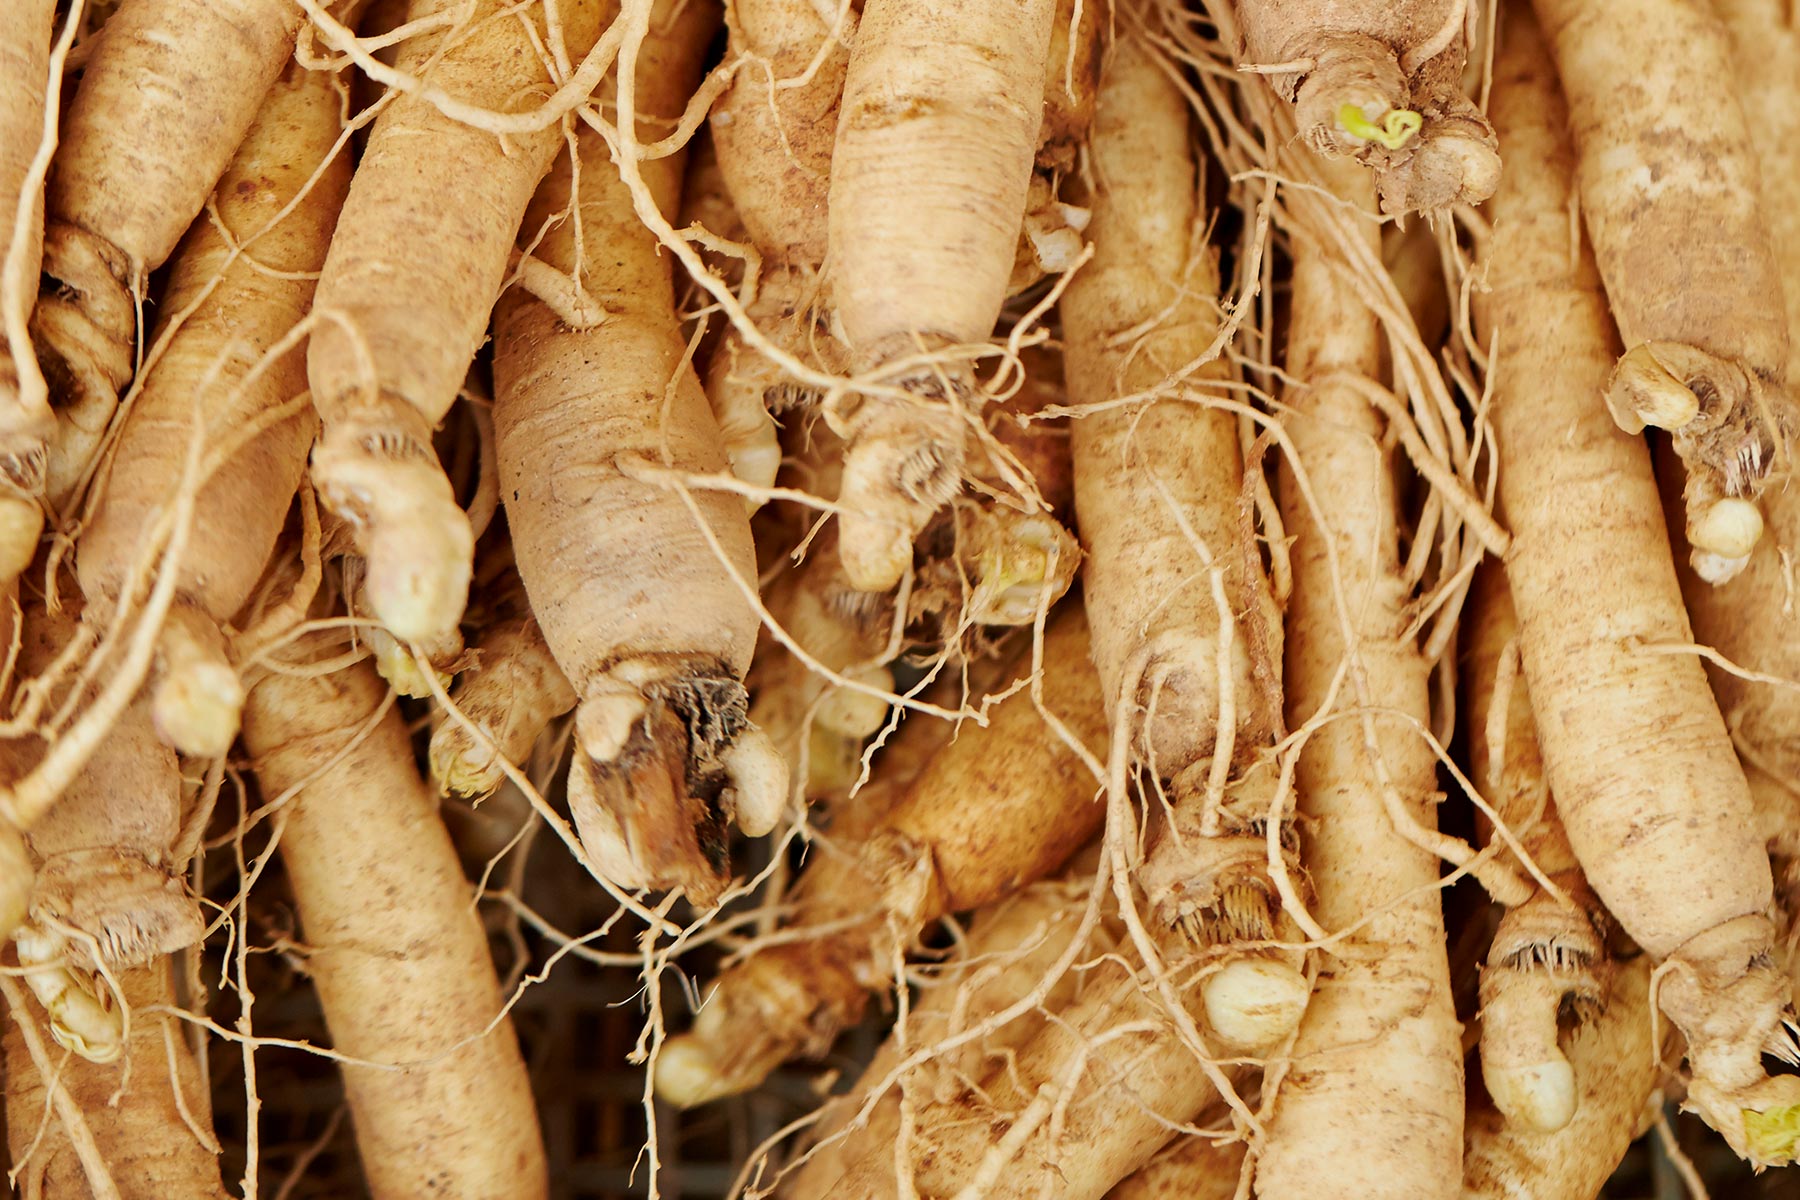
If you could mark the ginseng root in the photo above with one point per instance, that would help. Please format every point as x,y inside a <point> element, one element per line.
<point>595,428</point>
<point>1643,769</point>
<point>1159,492</point>
<point>998,807</point>
<point>936,139</point>
<point>1672,202</point>
<point>221,368</point>
<point>1381,83</point>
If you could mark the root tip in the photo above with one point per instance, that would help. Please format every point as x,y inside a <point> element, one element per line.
<point>1541,1097</point>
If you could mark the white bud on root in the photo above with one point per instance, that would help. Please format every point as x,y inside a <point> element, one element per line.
<point>604,723</point>
<point>1729,529</point>
<point>1540,1096</point>
<point>1255,1002</point>
<point>759,780</point>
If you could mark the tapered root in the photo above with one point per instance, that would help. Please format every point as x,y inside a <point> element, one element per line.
<point>739,384</point>
<point>781,1003</point>
<point>417,542</point>
<point>667,759</point>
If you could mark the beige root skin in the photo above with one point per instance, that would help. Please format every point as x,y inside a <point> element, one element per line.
<point>1683,242</point>
<point>205,370</point>
<point>399,325</point>
<point>1189,1168</point>
<point>595,429</point>
<point>774,148</point>
<point>1381,83</point>
<point>24,418</point>
<point>748,392</point>
<point>1007,950</point>
<point>995,810</point>
<point>843,629</point>
<point>929,175</point>
<point>148,1138</point>
<point>1548,961</point>
<point>400,962</point>
<point>512,694</point>
<point>1749,619</point>
<point>1079,1108</point>
<point>1158,490</point>
<point>1614,1074</point>
<point>105,884</point>
<point>121,194</point>
<point>1377,1061</point>
<point>1155,479</point>
<point>1629,739</point>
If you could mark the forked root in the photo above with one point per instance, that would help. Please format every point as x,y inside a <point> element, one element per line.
<point>1726,994</point>
<point>903,460</point>
<point>386,483</point>
<point>668,760</point>
<point>1547,968</point>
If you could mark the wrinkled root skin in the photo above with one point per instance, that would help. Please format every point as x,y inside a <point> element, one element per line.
<point>378,472</point>
<point>84,329</point>
<point>1725,992</point>
<point>790,1001</point>
<point>656,814</point>
<point>134,910</point>
<point>1454,158</point>
<point>903,460</point>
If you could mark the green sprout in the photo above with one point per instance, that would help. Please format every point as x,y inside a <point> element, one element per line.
<point>1772,1134</point>
<point>1397,125</point>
